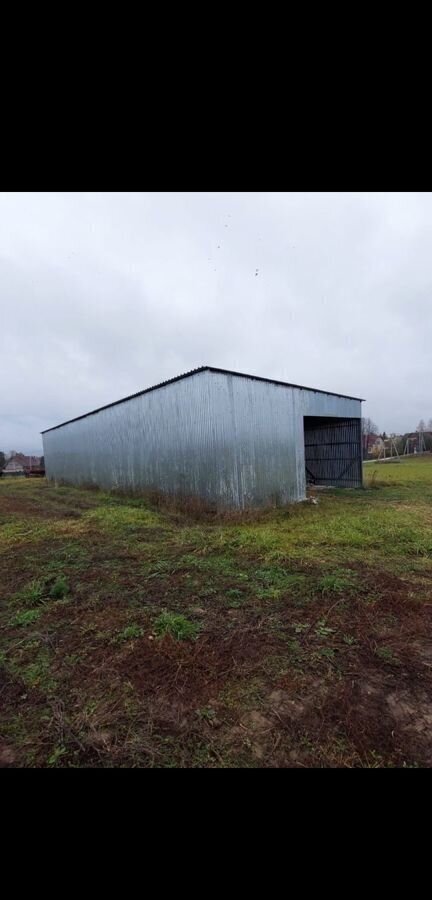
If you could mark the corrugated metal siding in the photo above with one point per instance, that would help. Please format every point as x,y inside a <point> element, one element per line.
<point>223,437</point>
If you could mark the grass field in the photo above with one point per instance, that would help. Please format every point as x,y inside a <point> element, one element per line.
<point>299,637</point>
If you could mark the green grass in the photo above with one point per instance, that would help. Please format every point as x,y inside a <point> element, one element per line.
<point>279,626</point>
<point>32,594</point>
<point>25,618</point>
<point>130,633</point>
<point>178,626</point>
<point>59,589</point>
<point>337,582</point>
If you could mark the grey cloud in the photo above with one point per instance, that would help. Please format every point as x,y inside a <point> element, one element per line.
<point>105,293</point>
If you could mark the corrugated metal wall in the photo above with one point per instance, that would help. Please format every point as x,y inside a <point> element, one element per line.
<point>226,438</point>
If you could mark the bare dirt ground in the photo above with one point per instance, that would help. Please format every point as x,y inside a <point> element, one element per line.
<point>135,636</point>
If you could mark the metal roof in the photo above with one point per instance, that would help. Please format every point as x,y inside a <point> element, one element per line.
<point>155,387</point>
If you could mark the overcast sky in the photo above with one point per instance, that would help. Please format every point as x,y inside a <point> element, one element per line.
<point>106,293</point>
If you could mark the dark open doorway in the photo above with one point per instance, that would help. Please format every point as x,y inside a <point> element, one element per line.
<point>333,451</point>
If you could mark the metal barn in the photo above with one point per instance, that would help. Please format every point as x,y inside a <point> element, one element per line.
<point>232,439</point>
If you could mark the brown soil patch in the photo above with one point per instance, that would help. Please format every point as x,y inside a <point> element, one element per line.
<point>7,755</point>
<point>193,672</point>
<point>303,676</point>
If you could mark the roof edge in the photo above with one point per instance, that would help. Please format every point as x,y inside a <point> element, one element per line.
<point>130,397</point>
<point>155,387</point>
<point>299,387</point>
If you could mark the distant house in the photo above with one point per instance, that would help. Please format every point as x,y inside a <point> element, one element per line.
<point>373,445</point>
<point>412,441</point>
<point>20,465</point>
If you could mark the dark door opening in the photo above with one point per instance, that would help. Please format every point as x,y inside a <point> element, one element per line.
<point>333,451</point>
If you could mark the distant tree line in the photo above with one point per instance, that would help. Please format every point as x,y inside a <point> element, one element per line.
<point>369,427</point>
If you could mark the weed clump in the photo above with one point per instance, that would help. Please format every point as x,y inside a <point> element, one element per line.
<point>25,618</point>
<point>59,589</point>
<point>130,633</point>
<point>178,626</point>
<point>32,594</point>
